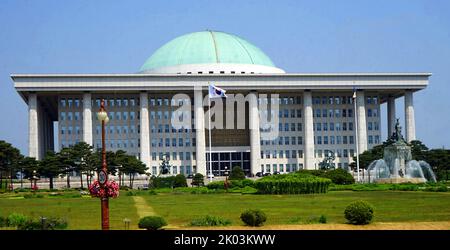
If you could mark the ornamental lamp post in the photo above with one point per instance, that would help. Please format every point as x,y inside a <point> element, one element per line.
<point>103,173</point>
<point>226,179</point>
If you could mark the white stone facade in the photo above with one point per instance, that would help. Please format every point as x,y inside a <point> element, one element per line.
<point>316,115</point>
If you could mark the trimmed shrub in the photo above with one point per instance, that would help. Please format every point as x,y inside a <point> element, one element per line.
<point>437,188</point>
<point>237,174</point>
<point>15,220</point>
<point>29,196</point>
<point>253,217</point>
<point>152,222</point>
<point>198,180</point>
<point>3,221</point>
<point>339,176</point>
<point>180,181</point>
<point>217,185</point>
<point>152,192</point>
<point>44,224</point>
<point>210,221</point>
<point>359,213</point>
<point>323,219</point>
<point>293,183</point>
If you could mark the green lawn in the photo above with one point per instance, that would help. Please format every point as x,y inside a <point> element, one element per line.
<point>81,213</point>
<point>390,206</point>
<point>180,208</point>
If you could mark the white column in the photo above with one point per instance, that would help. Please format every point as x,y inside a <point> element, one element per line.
<point>391,119</point>
<point>200,146</point>
<point>309,131</point>
<point>145,130</point>
<point>255,147</point>
<point>410,122</point>
<point>362,126</point>
<point>33,127</point>
<point>87,118</point>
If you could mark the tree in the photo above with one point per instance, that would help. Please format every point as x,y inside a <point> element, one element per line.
<point>81,152</point>
<point>67,160</point>
<point>237,173</point>
<point>50,167</point>
<point>10,158</point>
<point>180,181</point>
<point>29,166</point>
<point>439,160</point>
<point>418,150</point>
<point>120,158</point>
<point>198,180</point>
<point>132,166</point>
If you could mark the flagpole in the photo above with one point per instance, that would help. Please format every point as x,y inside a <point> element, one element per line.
<point>209,133</point>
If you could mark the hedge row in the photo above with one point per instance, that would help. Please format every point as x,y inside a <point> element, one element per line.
<point>294,183</point>
<point>232,184</point>
<point>337,176</point>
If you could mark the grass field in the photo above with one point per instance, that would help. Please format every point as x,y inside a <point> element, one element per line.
<point>180,208</point>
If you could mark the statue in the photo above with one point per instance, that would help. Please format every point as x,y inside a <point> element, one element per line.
<point>397,134</point>
<point>164,167</point>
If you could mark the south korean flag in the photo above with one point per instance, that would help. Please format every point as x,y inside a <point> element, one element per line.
<point>216,92</point>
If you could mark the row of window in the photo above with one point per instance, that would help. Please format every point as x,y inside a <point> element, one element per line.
<point>173,156</point>
<point>282,101</point>
<point>342,100</point>
<point>172,142</point>
<point>333,126</point>
<point>71,130</point>
<point>338,153</point>
<point>282,168</point>
<point>274,154</point>
<point>119,143</point>
<point>372,139</point>
<point>334,140</point>
<point>294,140</point>
<point>125,102</point>
<point>186,170</point>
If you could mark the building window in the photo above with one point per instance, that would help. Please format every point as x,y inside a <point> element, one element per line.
<point>63,103</point>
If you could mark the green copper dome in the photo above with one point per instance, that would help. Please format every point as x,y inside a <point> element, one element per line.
<point>206,47</point>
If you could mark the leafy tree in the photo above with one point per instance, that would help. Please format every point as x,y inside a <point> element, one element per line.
<point>120,158</point>
<point>50,167</point>
<point>81,152</point>
<point>132,166</point>
<point>198,180</point>
<point>439,160</point>
<point>67,160</point>
<point>29,165</point>
<point>180,181</point>
<point>418,150</point>
<point>237,173</point>
<point>9,160</point>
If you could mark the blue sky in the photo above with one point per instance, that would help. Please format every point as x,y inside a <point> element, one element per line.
<point>300,36</point>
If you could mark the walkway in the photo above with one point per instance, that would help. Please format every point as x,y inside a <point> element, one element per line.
<point>142,208</point>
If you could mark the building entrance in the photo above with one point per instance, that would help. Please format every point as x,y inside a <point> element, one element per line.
<point>225,161</point>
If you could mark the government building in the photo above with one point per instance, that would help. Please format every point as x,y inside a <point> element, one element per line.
<point>270,121</point>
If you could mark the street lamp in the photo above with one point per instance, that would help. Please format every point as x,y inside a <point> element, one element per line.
<point>34,179</point>
<point>225,184</point>
<point>103,173</point>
